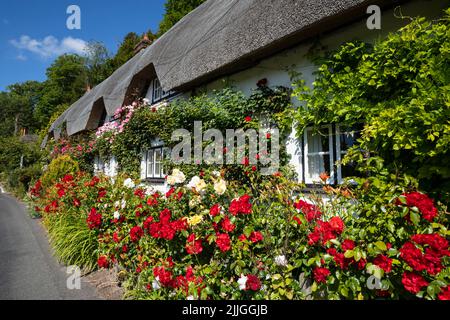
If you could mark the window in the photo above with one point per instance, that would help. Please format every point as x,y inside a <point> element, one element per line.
<point>108,168</point>
<point>158,92</point>
<point>99,165</point>
<point>154,163</point>
<point>345,139</point>
<point>318,150</point>
<point>322,148</point>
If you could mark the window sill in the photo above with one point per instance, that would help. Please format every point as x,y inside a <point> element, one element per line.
<point>155,180</point>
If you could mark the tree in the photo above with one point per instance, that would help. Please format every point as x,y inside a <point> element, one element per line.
<point>175,11</point>
<point>66,82</point>
<point>17,106</point>
<point>97,63</point>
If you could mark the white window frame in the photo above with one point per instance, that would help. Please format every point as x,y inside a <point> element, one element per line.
<point>330,152</point>
<point>108,168</point>
<point>158,93</point>
<point>151,174</point>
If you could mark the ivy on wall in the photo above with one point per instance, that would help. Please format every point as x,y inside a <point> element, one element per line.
<point>222,109</point>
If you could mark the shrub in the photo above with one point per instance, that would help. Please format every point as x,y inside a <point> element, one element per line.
<point>58,168</point>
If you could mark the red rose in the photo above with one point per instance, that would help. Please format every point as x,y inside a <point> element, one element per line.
<point>297,219</point>
<point>422,202</point>
<point>67,178</point>
<point>245,161</point>
<point>139,193</point>
<point>413,282</point>
<point>94,219</point>
<point>215,210</point>
<point>193,246</point>
<point>348,244</point>
<point>321,274</point>
<point>310,211</point>
<point>136,233</point>
<point>61,193</point>
<point>323,232</point>
<point>223,242</point>
<point>76,202</point>
<point>164,276</point>
<point>242,237</point>
<point>241,205</point>
<point>337,224</point>
<point>227,226</point>
<point>248,119</point>
<point>253,283</point>
<point>256,236</point>
<point>445,293</point>
<point>361,264</point>
<point>383,262</point>
<point>268,135</point>
<point>103,262</point>
<point>170,192</point>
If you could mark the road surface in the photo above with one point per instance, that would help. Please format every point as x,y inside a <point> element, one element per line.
<point>28,270</point>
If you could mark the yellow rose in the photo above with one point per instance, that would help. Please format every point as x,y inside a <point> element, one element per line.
<point>195,220</point>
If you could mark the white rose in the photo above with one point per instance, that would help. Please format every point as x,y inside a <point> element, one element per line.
<point>155,284</point>
<point>200,186</point>
<point>194,201</point>
<point>128,183</point>
<point>179,176</point>
<point>281,261</point>
<point>149,191</point>
<point>242,282</point>
<point>171,180</point>
<point>220,187</point>
<point>124,204</point>
<point>194,181</point>
<point>215,174</point>
<point>116,204</point>
<point>116,215</point>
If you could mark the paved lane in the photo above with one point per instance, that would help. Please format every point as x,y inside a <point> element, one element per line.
<point>27,268</point>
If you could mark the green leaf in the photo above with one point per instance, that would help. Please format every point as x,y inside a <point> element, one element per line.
<point>415,217</point>
<point>381,245</point>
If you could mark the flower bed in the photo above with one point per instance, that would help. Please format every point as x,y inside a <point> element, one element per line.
<point>208,238</point>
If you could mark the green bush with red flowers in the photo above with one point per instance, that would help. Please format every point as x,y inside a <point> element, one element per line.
<point>209,238</point>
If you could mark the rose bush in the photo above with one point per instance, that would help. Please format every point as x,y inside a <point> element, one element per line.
<point>203,242</point>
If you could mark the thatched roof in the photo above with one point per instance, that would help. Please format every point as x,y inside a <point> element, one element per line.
<point>219,37</point>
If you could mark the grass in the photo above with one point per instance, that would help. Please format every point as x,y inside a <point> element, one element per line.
<point>73,242</point>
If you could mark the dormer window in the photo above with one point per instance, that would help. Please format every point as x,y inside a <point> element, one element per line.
<point>158,93</point>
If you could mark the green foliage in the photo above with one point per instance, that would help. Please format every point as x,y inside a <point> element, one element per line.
<point>175,10</point>
<point>58,168</point>
<point>73,242</point>
<point>66,82</point>
<point>400,90</point>
<point>18,179</point>
<point>221,110</point>
<point>97,63</point>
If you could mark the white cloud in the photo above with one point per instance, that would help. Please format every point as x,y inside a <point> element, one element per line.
<point>21,57</point>
<point>50,46</point>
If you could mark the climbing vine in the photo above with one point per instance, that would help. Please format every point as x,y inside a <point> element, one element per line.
<point>399,89</point>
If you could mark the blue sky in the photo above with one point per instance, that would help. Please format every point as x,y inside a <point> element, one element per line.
<point>33,32</point>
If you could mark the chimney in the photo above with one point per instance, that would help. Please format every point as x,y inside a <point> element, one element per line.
<point>144,43</point>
